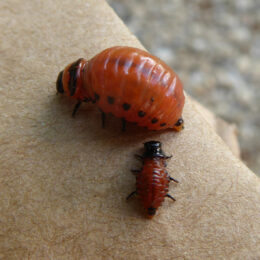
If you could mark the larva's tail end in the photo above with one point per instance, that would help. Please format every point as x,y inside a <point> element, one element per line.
<point>179,125</point>
<point>150,212</point>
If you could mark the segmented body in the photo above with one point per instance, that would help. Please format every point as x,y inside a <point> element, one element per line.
<point>129,83</point>
<point>152,183</point>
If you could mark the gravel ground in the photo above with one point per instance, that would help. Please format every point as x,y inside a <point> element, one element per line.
<point>214,46</point>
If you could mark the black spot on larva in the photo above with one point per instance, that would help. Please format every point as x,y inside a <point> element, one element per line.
<point>141,113</point>
<point>110,100</point>
<point>96,96</point>
<point>163,124</point>
<point>126,106</point>
<point>154,120</point>
<point>152,99</point>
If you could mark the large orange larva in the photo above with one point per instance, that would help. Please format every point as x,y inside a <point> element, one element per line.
<point>152,181</point>
<point>129,83</point>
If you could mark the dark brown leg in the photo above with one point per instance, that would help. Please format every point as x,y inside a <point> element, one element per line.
<point>140,157</point>
<point>123,125</point>
<point>131,195</point>
<point>169,196</point>
<point>76,108</point>
<point>135,172</point>
<point>172,179</point>
<point>103,119</point>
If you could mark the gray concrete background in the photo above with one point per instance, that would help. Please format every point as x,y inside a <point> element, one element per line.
<point>214,46</point>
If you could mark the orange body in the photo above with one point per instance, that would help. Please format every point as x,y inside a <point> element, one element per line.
<point>129,83</point>
<point>152,183</point>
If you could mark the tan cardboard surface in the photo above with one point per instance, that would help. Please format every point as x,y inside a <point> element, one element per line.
<point>227,131</point>
<point>64,180</point>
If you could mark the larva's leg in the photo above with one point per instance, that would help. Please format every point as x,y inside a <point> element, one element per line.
<point>76,108</point>
<point>123,125</point>
<point>172,179</point>
<point>131,195</point>
<point>103,119</point>
<point>169,196</point>
<point>140,157</point>
<point>135,172</point>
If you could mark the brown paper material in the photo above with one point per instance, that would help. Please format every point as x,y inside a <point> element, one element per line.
<point>227,131</point>
<point>64,180</point>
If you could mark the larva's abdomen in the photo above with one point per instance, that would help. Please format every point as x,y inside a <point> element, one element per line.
<point>132,84</point>
<point>152,183</point>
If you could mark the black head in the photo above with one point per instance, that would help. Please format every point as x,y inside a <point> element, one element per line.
<point>59,84</point>
<point>153,149</point>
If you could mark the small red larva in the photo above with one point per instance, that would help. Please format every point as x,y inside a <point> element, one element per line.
<point>152,181</point>
<point>129,83</point>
